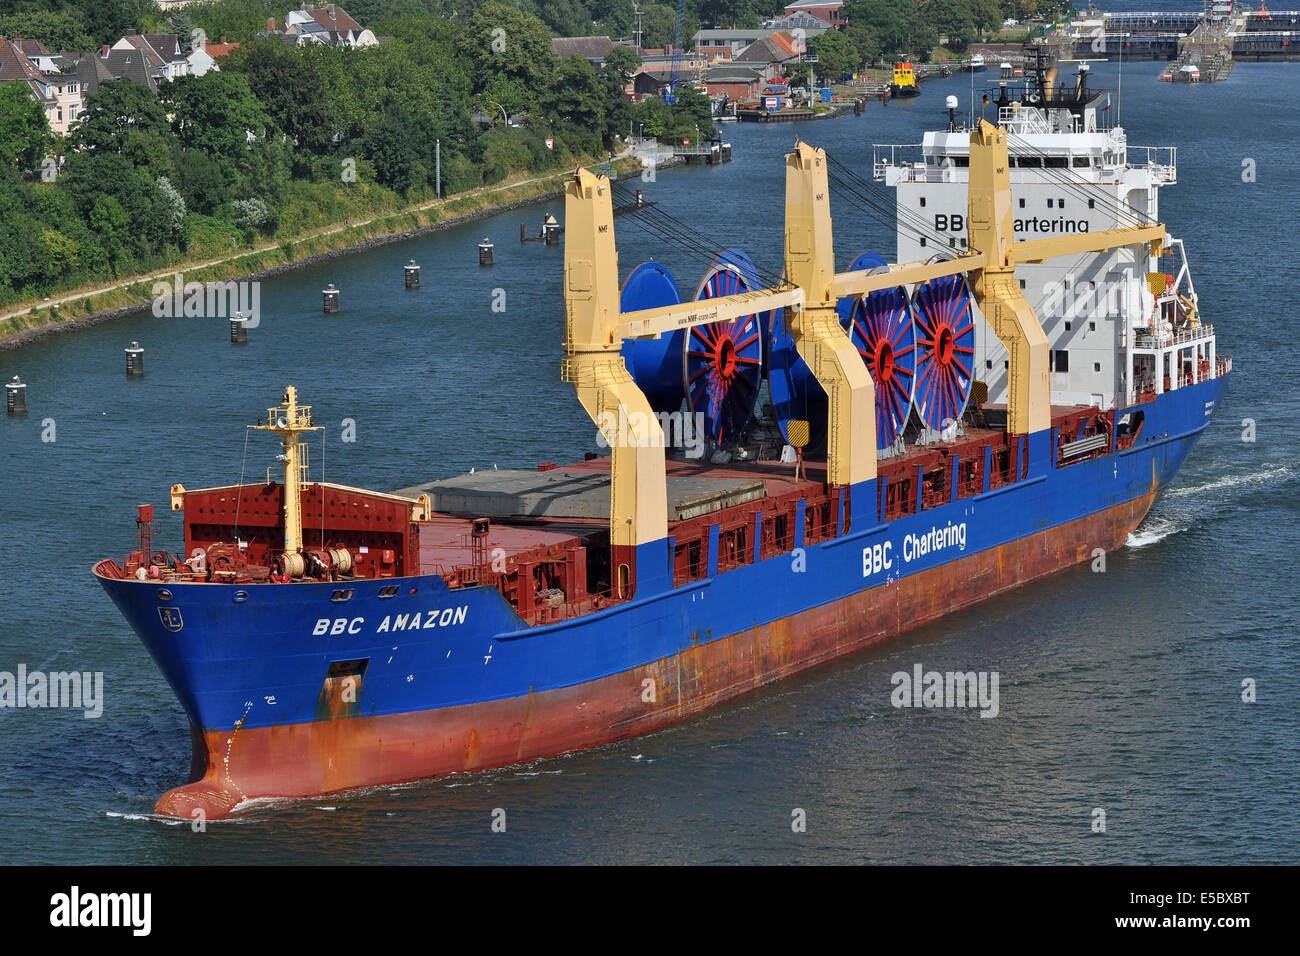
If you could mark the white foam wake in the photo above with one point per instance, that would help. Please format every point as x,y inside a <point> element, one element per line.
<point>1268,475</point>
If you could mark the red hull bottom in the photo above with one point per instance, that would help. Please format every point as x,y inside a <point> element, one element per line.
<point>312,759</point>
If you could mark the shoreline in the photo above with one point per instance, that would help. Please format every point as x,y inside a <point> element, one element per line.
<point>19,339</point>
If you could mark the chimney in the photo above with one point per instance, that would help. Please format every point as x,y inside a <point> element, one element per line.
<point>329,8</point>
<point>103,52</point>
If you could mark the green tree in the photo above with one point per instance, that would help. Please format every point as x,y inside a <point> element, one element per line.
<point>24,131</point>
<point>115,112</point>
<point>512,56</point>
<point>57,29</point>
<point>290,87</point>
<point>836,55</point>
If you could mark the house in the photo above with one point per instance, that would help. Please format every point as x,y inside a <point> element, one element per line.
<point>162,52</point>
<point>772,54</point>
<point>15,67</point>
<point>738,81</point>
<point>646,84</point>
<point>328,26</point>
<point>802,20</point>
<point>725,44</point>
<point>592,49</point>
<point>828,11</point>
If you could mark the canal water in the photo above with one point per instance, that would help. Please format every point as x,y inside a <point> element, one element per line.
<point>1119,691</point>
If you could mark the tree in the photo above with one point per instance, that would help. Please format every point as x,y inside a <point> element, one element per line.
<point>512,56</point>
<point>215,113</point>
<point>659,25</point>
<point>111,222</point>
<point>24,131</point>
<point>577,99</point>
<point>624,60</point>
<point>290,87</point>
<point>57,29</point>
<point>836,55</point>
<point>115,111</point>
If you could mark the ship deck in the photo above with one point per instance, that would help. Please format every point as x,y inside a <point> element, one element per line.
<point>560,507</point>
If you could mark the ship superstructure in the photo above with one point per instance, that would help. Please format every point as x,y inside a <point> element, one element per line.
<point>1121,323</point>
<point>322,637</point>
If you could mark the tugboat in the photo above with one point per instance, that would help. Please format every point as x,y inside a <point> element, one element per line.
<point>904,81</point>
<point>323,638</point>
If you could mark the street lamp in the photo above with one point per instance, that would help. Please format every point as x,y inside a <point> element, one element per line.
<point>504,117</point>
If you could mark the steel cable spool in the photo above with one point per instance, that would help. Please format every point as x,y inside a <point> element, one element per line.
<point>723,361</point>
<point>945,339</point>
<point>796,393</point>
<point>884,333</point>
<point>655,364</point>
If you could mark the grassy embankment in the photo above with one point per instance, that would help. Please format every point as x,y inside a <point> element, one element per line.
<point>214,255</point>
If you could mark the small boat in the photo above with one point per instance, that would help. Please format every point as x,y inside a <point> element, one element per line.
<point>904,81</point>
<point>977,64</point>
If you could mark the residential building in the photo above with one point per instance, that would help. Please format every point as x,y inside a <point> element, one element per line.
<point>828,11</point>
<point>592,49</point>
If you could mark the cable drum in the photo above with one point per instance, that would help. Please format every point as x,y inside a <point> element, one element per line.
<point>723,361</point>
<point>796,393</point>
<point>884,333</point>
<point>945,339</point>
<point>655,364</point>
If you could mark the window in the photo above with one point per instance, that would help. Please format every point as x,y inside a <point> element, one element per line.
<point>388,591</point>
<point>1022,283</point>
<point>1067,326</point>
<point>988,363</point>
<point>1022,204</point>
<point>1060,360</point>
<point>342,594</point>
<point>923,240</point>
<point>1096,366</point>
<point>1049,204</point>
<point>1092,204</point>
<point>60,114</point>
<point>1060,204</point>
<point>1081,162</point>
<point>1092,326</point>
<point>952,242</point>
<point>922,202</point>
<point>72,112</point>
<point>72,87</point>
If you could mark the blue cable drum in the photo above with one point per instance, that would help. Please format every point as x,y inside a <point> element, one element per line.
<point>655,364</point>
<point>796,393</point>
<point>884,334</point>
<point>723,361</point>
<point>945,340</point>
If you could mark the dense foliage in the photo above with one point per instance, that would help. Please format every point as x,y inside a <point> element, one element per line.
<point>298,136</point>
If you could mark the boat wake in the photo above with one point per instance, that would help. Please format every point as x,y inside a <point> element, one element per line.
<point>1269,475</point>
<point>1155,528</point>
<point>1179,508</point>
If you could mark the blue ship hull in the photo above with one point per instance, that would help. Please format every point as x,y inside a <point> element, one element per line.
<point>250,659</point>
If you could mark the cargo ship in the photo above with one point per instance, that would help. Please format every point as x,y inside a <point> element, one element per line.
<point>794,472</point>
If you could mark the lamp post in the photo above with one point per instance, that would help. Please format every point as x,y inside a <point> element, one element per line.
<point>504,118</point>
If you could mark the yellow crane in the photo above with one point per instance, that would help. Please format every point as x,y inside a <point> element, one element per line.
<point>595,328</point>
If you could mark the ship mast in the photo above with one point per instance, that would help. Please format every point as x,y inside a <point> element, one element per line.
<point>289,420</point>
